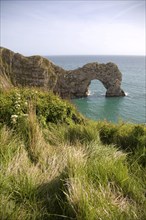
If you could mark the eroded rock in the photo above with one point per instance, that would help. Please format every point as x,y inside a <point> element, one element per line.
<point>40,72</point>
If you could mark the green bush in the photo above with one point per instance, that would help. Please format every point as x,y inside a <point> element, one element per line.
<point>16,103</point>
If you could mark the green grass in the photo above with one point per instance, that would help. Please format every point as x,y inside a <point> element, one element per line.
<point>128,137</point>
<point>68,168</point>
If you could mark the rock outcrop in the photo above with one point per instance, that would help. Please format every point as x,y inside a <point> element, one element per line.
<point>37,71</point>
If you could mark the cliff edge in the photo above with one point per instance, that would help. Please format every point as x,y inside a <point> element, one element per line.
<point>37,71</point>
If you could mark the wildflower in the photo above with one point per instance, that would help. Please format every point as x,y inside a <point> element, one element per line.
<point>17,105</point>
<point>14,118</point>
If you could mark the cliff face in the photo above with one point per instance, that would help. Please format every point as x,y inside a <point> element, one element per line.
<point>40,72</point>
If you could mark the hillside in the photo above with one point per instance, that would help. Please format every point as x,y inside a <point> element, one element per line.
<point>56,165</point>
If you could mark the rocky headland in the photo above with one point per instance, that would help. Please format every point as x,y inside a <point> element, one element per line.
<point>37,71</point>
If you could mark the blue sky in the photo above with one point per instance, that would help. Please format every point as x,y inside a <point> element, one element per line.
<point>73,27</point>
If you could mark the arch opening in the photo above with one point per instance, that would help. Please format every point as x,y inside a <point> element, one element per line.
<point>96,88</point>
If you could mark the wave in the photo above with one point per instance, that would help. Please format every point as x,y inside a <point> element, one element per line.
<point>90,93</point>
<point>95,93</point>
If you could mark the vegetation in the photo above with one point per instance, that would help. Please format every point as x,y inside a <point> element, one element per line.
<point>57,165</point>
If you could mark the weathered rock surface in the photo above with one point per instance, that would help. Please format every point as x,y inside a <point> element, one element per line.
<point>40,72</point>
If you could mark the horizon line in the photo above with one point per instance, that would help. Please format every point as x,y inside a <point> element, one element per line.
<point>94,55</point>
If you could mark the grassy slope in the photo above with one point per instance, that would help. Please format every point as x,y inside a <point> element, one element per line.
<point>68,168</point>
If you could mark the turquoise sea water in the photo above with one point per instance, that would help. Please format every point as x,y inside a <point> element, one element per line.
<point>131,108</point>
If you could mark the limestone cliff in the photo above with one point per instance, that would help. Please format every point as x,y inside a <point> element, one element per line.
<point>40,72</point>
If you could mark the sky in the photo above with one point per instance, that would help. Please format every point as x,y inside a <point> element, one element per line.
<point>73,27</point>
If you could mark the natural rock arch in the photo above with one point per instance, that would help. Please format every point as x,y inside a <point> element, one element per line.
<point>40,72</point>
<point>108,74</point>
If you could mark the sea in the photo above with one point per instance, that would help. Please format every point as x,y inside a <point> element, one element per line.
<point>131,108</point>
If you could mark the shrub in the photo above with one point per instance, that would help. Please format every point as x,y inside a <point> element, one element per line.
<point>15,104</point>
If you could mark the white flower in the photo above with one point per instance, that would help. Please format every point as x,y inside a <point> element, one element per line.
<point>17,105</point>
<point>14,118</point>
